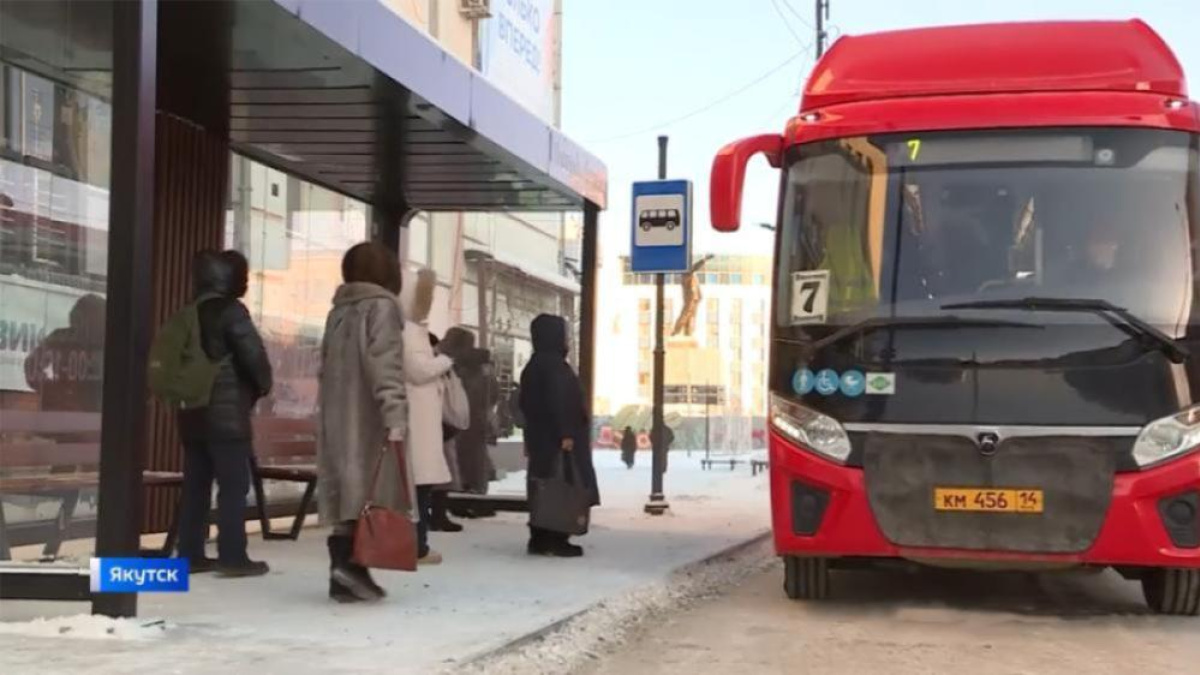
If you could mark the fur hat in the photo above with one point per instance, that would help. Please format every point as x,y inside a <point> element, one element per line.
<point>416,295</point>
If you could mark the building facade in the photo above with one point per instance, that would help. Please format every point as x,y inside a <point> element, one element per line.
<point>719,371</point>
<point>497,271</point>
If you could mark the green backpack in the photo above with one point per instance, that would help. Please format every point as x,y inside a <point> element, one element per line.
<point>180,373</point>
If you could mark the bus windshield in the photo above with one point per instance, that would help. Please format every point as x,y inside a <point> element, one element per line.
<point>918,225</point>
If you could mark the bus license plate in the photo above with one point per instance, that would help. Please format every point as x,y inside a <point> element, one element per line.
<point>989,500</point>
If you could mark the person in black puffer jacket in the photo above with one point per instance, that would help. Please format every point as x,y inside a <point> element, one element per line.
<point>218,439</point>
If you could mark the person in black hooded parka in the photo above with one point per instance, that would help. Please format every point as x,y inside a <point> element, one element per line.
<point>556,423</point>
<point>218,439</point>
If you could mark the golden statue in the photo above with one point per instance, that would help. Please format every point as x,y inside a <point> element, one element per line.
<point>685,325</point>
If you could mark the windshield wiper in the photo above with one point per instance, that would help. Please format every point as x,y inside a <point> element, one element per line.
<point>1119,317</point>
<point>944,321</point>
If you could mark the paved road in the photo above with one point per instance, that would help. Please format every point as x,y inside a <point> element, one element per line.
<point>940,623</point>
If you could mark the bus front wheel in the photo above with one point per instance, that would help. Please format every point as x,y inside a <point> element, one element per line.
<point>806,578</point>
<point>1174,592</point>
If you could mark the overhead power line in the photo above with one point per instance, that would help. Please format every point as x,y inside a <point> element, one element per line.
<point>786,23</point>
<point>796,13</point>
<point>707,106</point>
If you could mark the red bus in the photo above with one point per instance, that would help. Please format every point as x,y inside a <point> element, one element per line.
<point>984,338</point>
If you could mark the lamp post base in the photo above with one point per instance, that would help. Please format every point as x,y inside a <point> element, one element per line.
<point>657,505</point>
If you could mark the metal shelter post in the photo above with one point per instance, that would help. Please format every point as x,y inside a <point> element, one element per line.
<point>587,303</point>
<point>128,327</point>
<point>390,211</point>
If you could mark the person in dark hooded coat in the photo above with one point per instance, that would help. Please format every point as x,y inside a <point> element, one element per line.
<point>218,438</point>
<point>556,423</point>
<point>629,446</point>
<point>474,461</point>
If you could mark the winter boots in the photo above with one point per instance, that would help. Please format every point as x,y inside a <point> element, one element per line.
<point>348,581</point>
<point>441,514</point>
<point>552,544</point>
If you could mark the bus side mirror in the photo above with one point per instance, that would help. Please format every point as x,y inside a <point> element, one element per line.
<point>729,173</point>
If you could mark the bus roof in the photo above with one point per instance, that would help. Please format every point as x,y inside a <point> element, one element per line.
<point>995,58</point>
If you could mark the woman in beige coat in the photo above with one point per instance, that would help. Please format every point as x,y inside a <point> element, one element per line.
<point>363,410</point>
<point>424,373</point>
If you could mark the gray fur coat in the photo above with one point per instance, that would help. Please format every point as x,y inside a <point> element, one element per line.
<point>361,398</point>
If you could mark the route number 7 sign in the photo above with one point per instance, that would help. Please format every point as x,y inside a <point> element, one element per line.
<point>810,297</point>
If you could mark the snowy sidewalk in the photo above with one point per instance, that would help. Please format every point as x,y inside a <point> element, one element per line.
<point>486,595</point>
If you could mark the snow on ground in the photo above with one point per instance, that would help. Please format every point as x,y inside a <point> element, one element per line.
<point>486,595</point>
<point>87,627</point>
<point>607,627</point>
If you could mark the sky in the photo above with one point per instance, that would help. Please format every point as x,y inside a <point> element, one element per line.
<point>631,65</point>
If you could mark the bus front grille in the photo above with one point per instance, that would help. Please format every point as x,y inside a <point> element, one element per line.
<point>1075,474</point>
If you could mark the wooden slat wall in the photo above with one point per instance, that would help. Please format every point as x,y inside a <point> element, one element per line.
<point>191,183</point>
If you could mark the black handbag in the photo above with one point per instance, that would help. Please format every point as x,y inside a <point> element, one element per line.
<point>560,503</point>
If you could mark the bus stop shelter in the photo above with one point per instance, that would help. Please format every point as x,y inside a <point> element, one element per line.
<point>346,95</point>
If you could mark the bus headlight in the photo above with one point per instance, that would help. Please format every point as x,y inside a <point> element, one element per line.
<point>1168,438</point>
<point>816,432</point>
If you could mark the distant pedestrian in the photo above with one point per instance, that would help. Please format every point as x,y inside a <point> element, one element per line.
<point>514,407</point>
<point>218,438</point>
<point>629,446</point>
<point>363,408</point>
<point>474,461</point>
<point>456,417</point>
<point>557,425</point>
<point>668,439</point>
<point>424,371</point>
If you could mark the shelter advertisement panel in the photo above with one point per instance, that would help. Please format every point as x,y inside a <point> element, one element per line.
<point>517,48</point>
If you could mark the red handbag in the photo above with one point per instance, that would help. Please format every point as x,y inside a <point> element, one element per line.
<point>383,538</point>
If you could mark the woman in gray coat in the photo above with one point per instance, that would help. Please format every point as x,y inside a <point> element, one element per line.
<point>363,409</point>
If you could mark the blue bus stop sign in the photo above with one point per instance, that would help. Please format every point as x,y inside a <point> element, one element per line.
<point>662,226</point>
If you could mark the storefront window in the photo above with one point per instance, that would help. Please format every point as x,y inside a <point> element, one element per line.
<point>55,133</point>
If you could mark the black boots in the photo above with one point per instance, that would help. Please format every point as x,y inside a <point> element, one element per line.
<point>246,568</point>
<point>441,517</point>
<point>552,544</point>
<point>348,581</point>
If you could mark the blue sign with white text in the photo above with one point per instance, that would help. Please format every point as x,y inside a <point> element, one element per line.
<point>661,237</point>
<point>139,575</point>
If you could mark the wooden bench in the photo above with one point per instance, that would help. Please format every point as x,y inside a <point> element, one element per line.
<point>285,449</point>
<point>757,466</point>
<point>709,463</point>
<point>42,466</point>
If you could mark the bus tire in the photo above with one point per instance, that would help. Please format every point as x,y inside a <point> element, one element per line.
<point>806,578</point>
<point>1173,592</point>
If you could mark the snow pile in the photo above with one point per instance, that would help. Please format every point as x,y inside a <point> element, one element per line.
<point>87,627</point>
<point>603,628</point>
